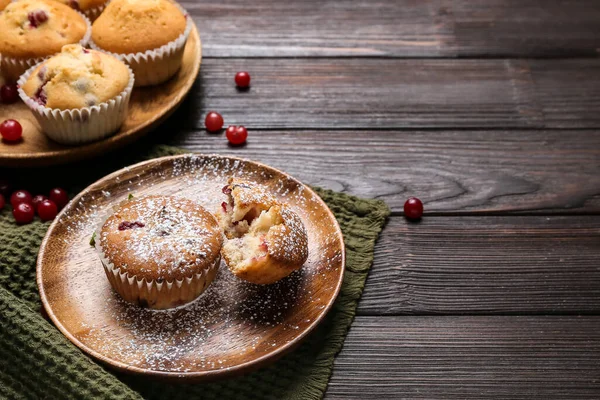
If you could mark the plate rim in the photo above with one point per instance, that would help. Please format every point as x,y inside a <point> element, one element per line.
<point>196,375</point>
<point>71,154</point>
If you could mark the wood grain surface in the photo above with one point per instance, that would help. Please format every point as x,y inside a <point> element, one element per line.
<point>148,107</point>
<point>486,265</point>
<point>511,357</point>
<point>235,327</point>
<point>466,172</point>
<point>398,28</point>
<point>394,93</point>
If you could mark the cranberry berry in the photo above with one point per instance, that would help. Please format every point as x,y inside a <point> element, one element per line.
<point>36,18</point>
<point>11,130</point>
<point>2,201</point>
<point>19,197</point>
<point>23,213</point>
<point>242,80</point>
<point>37,200</point>
<point>59,197</point>
<point>47,210</point>
<point>237,135</point>
<point>9,93</point>
<point>413,208</point>
<point>213,122</point>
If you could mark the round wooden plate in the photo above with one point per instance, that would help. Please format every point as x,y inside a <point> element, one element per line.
<point>234,326</point>
<point>147,109</point>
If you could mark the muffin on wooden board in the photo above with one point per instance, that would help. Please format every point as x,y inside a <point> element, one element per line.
<point>150,35</point>
<point>33,30</point>
<point>78,95</point>
<point>160,251</point>
<point>266,240</point>
<point>90,8</point>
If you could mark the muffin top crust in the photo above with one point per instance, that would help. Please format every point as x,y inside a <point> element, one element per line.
<point>39,28</point>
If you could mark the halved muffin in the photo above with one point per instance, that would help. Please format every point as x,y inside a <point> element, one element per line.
<point>266,240</point>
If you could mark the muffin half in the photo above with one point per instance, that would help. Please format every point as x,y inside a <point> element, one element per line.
<point>160,251</point>
<point>266,240</point>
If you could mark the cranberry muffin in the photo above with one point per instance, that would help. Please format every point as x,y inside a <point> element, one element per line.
<point>266,240</point>
<point>160,251</point>
<point>36,29</point>
<point>3,4</point>
<point>150,35</point>
<point>78,95</point>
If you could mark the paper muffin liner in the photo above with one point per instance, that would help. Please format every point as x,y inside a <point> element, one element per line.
<point>80,125</point>
<point>156,66</point>
<point>151,293</point>
<point>95,12</point>
<point>12,68</point>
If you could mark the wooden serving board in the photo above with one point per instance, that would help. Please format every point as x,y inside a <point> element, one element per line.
<point>233,327</point>
<point>149,106</point>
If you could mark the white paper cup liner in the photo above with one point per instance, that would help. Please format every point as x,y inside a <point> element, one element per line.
<point>12,67</point>
<point>80,125</point>
<point>156,66</point>
<point>151,293</point>
<point>94,12</point>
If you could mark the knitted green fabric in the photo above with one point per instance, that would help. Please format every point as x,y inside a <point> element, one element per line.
<point>36,361</point>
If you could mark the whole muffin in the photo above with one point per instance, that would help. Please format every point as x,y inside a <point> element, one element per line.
<point>266,240</point>
<point>150,35</point>
<point>160,251</point>
<point>90,8</point>
<point>35,29</point>
<point>78,95</point>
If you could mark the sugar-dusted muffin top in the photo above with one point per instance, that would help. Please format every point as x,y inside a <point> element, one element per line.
<point>83,5</point>
<point>77,78</point>
<point>133,26</point>
<point>3,4</point>
<point>161,238</point>
<point>39,28</point>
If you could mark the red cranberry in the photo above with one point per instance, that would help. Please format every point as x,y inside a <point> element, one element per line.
<point>47,210</point>
<point>242,80</point>
<point>23,213</point>
<point>59,197</point>
<point>5,187</point>
<point>19,197</point>
<point>74,4</point>
<point>130,225</point>
<point>37,200</point>
<point>11,130</point>
<point>2,201</point>
<point>9,93</point>
<point>226,189</point>
<point>37,17</point>
<point>224,205</point>
<point>237,135</point>
<point>413,208</point>
<point>213,122</point>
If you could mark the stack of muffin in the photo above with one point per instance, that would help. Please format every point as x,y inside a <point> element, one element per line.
<point>76,76</point>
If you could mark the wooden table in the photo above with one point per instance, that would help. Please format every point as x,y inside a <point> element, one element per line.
<point>489,111</point>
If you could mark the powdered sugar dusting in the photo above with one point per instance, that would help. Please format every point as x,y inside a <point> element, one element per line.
<point>232,320</point>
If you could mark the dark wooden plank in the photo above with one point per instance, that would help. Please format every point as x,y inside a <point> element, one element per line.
<point>486,265</point>
<point>398,28</point>
<point>384,93</point>
<point>469,358</point>
<point>451,171</point>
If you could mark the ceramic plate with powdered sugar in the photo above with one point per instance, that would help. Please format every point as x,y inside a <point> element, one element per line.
<point>230,329</point>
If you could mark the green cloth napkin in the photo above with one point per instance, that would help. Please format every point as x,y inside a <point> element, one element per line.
<point>37,361</point>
